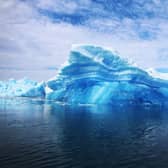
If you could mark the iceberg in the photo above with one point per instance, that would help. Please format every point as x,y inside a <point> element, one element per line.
<point>94,75</point>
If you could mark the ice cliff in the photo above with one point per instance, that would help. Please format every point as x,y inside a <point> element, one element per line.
<point>94,75</point>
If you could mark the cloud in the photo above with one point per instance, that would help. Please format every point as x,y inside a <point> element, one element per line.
<point>33,38</point>
<point>163,55</point>
<point>68,7</point>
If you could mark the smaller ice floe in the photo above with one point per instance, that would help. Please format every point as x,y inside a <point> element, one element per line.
<point>22,87</point>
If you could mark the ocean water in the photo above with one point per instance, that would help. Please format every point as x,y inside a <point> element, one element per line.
<point>42,134</point>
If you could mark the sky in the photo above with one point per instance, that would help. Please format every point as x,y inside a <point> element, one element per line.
<point>37,35</point>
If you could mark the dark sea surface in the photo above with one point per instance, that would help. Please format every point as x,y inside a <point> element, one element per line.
<point>40,134</point>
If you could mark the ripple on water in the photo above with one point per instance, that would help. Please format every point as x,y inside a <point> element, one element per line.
<point>44,134</point>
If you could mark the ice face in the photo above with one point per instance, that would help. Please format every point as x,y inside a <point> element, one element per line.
<point>94,75</point>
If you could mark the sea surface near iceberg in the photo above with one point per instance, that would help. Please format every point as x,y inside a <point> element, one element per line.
<point>40,133</point>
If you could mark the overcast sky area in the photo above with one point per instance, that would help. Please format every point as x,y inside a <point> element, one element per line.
<point>36,35</point>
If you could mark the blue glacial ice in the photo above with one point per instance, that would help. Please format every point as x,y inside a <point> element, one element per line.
<point>94,75</point>
<point>24,88</point>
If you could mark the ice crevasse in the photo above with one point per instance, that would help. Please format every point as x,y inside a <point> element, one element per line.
<point>94,75</point>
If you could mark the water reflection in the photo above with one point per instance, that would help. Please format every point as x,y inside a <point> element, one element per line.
<point>46,134</point>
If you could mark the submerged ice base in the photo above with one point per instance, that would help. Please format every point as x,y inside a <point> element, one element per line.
<point>94,75</point>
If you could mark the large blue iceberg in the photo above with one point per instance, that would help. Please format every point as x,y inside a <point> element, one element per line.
<point>94,75</point>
